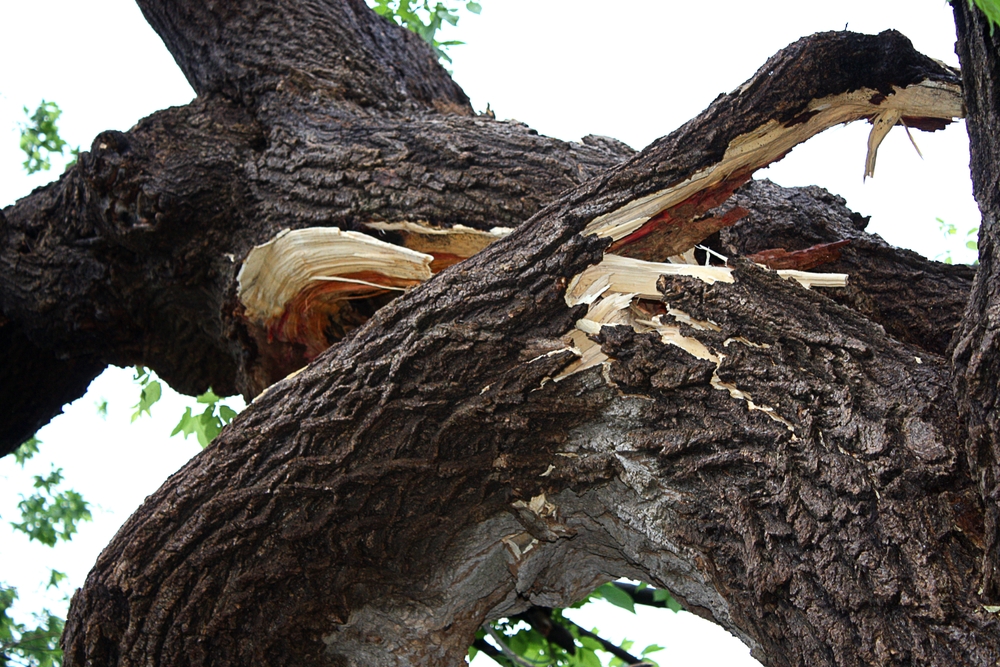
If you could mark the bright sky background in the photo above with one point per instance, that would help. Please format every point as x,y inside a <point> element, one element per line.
<point>633,69</point>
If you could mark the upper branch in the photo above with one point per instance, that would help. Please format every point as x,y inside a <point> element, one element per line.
<point>245,48</point>
<point>131,257</point>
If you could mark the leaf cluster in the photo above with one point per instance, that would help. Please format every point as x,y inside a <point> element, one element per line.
<point>51,513</point>
<point>545,637</point>
<point>150,391</point>
<point>23,645</point>
<point>40,137</point>
<point>204,425</point>
<point>425,19</point>
<point>949,229</point>
<point>207,424</point>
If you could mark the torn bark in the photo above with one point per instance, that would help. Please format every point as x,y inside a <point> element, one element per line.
<point>801,483</point>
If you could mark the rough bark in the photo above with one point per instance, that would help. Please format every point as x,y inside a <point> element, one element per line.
<point>130,258</point>
<point>804,482</point>
<point>917,301</point>
<point>977,348</point>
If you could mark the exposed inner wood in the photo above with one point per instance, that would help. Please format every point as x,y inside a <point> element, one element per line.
<point>275,272</point>
<point>293,286</point>
<point>363,511</point>
<point>804,259</point>
<point>676,213</point>
<point>922,103</point>
<point>615,288</point>
<point>458,240</point>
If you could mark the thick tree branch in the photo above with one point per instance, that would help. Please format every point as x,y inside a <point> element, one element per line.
<point>794,478</point>
<point>919,302</point>
<point>977,347</point>
<point>245,50</point>
<point>131,257</point>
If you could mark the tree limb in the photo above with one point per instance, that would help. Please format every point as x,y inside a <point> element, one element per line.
<point>427,473</point>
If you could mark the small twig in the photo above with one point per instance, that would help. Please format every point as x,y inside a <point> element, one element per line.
<point>490,650</point>
<point>614,650</point>
<point>645,596</point>
<point>506,650</point>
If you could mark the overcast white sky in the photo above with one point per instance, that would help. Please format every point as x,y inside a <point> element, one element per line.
<point>633,69</point>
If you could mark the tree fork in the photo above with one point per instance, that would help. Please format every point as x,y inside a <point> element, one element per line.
<point>799,483</point>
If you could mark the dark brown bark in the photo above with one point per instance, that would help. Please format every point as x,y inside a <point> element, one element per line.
<point>803,483</point>
<point>379,506</point>
<point>917,301</point>
<point>248,51</point>
<point>977,347</point>
<point>131,257</point>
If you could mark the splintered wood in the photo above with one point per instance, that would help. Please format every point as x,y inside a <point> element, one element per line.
<point>295,286</point>
<point>295,282</point>
<point>772,140</point>
<point>612,289</point>
<point>448,245</point>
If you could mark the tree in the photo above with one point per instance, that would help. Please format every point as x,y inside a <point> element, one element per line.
<point>813,471</point>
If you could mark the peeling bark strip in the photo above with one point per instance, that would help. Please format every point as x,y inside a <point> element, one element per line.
<point>799,482</point>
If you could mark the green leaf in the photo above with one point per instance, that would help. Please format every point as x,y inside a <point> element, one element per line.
<point>474,7</point>
<point>48,483</point>
<point>148,395</point>
<point>55,578</point>
<point>617,597</point>
<point>586,657</point>
<point>663,595</point>
<point>27,449</point>
<point>227,413</point>
<point>186,425</point>
<point>991,8</point>
<point>40,137</point>
<point>51,514</point>
<point>209,397</point>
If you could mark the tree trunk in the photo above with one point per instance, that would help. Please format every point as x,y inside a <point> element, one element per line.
<point>976,356</point>
<point>786,461</point>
